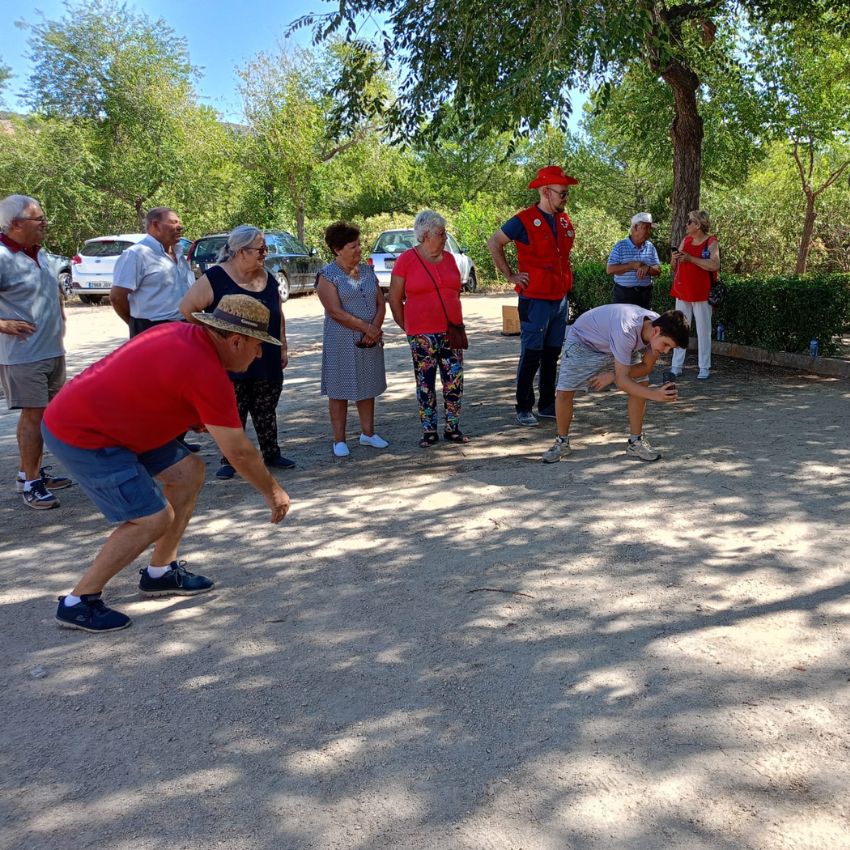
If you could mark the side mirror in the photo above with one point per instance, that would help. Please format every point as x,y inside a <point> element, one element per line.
<point>463,249</point>
<point>312,252</point>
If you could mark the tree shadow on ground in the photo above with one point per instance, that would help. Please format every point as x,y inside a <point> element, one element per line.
<point>461,647</point>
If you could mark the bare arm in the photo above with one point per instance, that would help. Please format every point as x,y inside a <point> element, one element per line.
<point>197,299</point>
<point>284,348</point>
<point>245,459</point>
<point>712,264</point>
<point>496,246</point>
<point>119,298</point>
<point>16,327</point>
<point>333,307</point>
<point>624,380</point>
<point>397,299</point>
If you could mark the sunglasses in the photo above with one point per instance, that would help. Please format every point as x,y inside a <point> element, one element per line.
<point>561,195</point>
<point>263,249</point>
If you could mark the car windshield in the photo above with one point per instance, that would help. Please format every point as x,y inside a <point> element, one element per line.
<point>206,250</point>
<point>289,244</point>
<point>105,248</point>
<point>394,242</point>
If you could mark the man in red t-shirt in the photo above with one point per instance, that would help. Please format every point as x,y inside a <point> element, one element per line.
<point>115,425</point>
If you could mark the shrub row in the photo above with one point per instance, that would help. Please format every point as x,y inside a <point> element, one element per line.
<point>776,313</point>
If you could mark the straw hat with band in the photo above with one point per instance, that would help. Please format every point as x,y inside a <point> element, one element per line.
<point>240,314</point>
<point>552,175</point>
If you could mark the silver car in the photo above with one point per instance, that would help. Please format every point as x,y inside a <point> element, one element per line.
<point>391,243</point>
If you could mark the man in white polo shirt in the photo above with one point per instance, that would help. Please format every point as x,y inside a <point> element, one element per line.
<point>152,276</point>
<point>634,262</point>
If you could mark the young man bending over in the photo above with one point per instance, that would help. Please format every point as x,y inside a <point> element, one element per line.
<point>616,335</point>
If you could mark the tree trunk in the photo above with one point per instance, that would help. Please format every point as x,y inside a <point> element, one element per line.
<point>687,133</point>
<point>299,221</point>
<point>808,229</point>
<point>138,203</point>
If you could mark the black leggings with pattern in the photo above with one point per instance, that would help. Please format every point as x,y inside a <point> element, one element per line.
<point>259,398</point>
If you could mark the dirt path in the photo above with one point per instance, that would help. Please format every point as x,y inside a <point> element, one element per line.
<point>457,648</point>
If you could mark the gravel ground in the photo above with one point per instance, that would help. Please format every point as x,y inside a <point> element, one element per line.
<point>457,647</point>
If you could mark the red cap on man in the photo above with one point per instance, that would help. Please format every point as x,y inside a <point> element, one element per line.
<point>552,175</point>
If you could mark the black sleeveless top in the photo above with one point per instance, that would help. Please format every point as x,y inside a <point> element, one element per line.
<point>267,367</point>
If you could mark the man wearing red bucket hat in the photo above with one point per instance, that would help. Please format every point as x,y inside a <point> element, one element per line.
<point>543,235</point>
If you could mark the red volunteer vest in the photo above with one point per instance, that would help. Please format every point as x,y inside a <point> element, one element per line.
<point>545,260</point>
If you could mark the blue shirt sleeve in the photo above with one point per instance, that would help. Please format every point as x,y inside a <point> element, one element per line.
<point>654,261</point>
<point>514,229</point>
<point>614,256</point>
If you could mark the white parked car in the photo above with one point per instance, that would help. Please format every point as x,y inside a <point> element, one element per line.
<point>92,267</point>
<point>391,243</point>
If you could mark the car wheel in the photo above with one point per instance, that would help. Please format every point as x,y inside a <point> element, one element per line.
<point>471,282</point>
<point>283,285</point>
<point>64,279</point>
<point>91,299</point>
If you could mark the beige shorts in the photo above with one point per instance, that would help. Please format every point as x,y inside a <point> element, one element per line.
<point>32,384</point>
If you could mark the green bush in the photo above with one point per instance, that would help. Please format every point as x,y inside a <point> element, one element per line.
<point>786,313</point>
<point>776,313</point>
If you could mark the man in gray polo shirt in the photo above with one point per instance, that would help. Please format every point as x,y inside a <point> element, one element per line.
<point>152,276</point>
<point>634,262</point>
<point>32,356</point>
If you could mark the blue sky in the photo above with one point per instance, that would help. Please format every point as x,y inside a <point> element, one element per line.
<point>221,37</point>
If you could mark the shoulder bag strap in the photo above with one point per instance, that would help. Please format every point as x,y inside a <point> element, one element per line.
<point>435,284</point>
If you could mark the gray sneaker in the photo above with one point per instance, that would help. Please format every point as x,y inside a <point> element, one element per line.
<point>557,451</point>
<point>642,450</point>
<point>526,417</point>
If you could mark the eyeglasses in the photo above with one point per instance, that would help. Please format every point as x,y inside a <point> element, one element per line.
<point>561,195</point>
<point>42,219</point>
<point>263,249</point>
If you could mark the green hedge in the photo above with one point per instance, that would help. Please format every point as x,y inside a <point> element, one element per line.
<point>776,313</point>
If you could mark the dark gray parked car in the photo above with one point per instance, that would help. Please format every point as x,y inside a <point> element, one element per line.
<point>293,266</point>
<point>61,268</point>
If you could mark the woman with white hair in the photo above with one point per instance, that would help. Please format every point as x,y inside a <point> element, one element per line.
<point>695,267</point>
<point>424,297</point>
<point>241,270</point>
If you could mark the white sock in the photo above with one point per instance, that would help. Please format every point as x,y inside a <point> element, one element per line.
<point>158,572</point>
<point>21,476</point>
<point>28,484</point>
<point>633,438</point>
<point>70,600</point>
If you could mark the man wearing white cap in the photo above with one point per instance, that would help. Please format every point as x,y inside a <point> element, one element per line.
<point>634,262</point>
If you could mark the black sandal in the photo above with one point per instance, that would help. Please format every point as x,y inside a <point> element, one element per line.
<point>455,436</point>
<point>429,438</point>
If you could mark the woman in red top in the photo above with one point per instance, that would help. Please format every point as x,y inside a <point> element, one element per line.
<point>694,265</point>
<point>424,290</point>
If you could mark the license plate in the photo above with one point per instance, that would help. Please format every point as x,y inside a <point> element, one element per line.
<point>97,284</point>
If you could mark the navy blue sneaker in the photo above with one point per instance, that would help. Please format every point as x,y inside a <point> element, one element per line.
<point>52,482</point>
<point>280,462</point>
<point>178,581</point>
<point>225,472</point>
<point>90,615</point>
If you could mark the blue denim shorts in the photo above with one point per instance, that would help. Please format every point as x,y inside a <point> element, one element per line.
<point>118,481</point>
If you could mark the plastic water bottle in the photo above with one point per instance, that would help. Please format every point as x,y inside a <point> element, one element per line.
<point>813,348</point>
<point>721,332</point>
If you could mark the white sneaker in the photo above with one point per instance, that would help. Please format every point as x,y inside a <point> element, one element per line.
<point>642,450</point>
<point>374,441</point>
<point>558,450</point>
<point>341,450</point>
<point>703,375</point>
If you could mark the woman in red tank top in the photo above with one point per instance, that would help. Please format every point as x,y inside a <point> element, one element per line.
<point>695,265</point>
